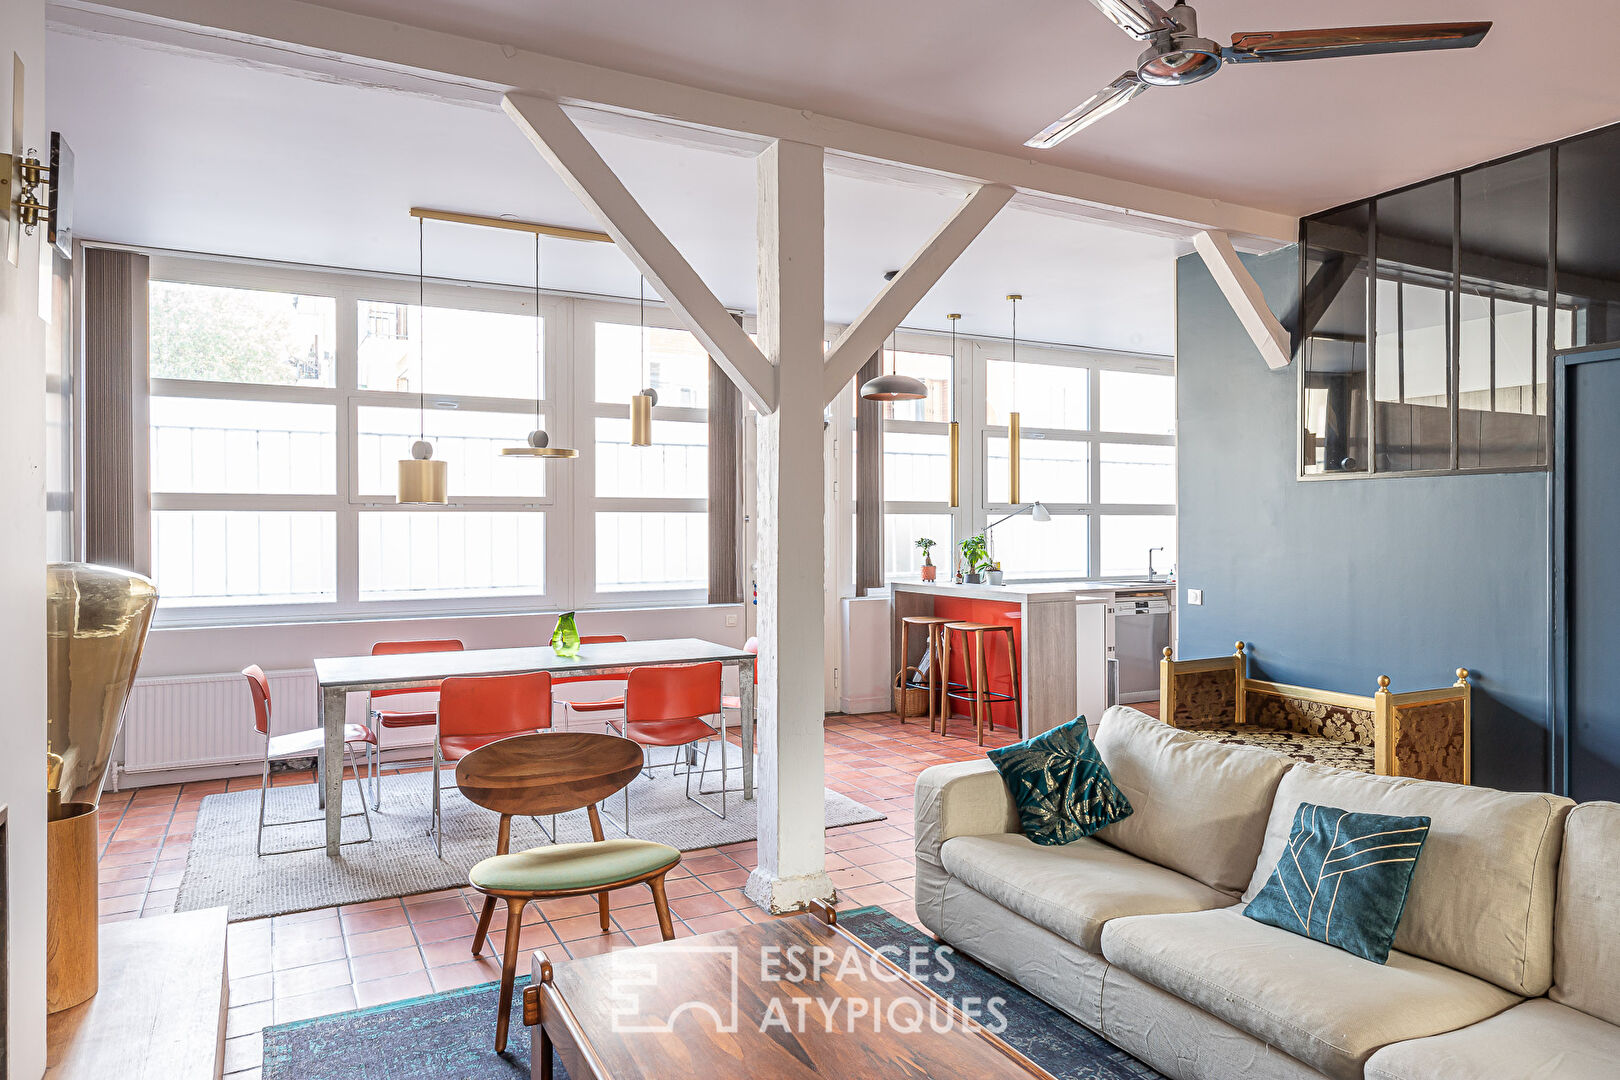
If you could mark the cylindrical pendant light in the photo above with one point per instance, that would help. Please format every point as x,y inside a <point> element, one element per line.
<point>538,444</point>
<point>421,479</point>
<point>1014,424</point>
<point>641,405</point>
<point>956,429</point>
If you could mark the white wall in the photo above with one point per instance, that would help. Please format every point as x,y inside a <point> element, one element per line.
<point>22,569</point>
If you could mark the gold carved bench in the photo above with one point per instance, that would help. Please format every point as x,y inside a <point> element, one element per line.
<point>1418,733</point>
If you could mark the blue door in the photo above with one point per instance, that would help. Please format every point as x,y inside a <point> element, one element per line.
<point>1586,575</point>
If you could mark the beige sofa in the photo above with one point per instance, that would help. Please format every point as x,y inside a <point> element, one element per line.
<point>1506,963</point>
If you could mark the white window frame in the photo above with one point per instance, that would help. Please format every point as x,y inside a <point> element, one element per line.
<point>568,411</point>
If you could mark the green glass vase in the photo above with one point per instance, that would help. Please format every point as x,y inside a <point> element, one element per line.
<point>565,639</point>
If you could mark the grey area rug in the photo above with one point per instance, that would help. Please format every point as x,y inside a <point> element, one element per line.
<point>452,1034</point>
<point>222,868</point>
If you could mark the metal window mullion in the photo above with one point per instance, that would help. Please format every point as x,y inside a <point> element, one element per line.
<point>1370,329</point>
<point>1454,345</point>
<point>347,448</point>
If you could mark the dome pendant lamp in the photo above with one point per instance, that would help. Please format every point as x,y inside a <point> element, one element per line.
<point>894,386</point>
<point>422,479</point>
<point>538,444</point>
<point>641,405</point>
<point>1014,424</point>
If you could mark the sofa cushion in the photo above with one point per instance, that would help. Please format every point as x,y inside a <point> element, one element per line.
<point>1200,807</point>
<point>1482,894</point>
<point>1323,1006</point>
<point>1539,1038</point>
<point>1344,879</point>
<point>1586,926</point>
<point>1060,784</point>
<point>1074,889</point>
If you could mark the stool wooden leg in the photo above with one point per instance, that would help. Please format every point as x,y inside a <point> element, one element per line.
<point>509,959</point>
<point>981,702</point>
<point>905,660</point>
<point>944,679</point>
<point>602,905</point>
<point>666,925</point>
<point>483,925</point>
<point>1018,697</point>
<point>933,678</point>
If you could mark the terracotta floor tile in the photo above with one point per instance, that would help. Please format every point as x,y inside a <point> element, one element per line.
<point>689,907</point>
<point>467,974</point>
<point>395,988</point>
<point>452,952</point>
<point>305,980</point>
<point>445,929</point>
<point>385,965</point>
<point>250,989</point>
<point>319,1003</point>
<point>303,952</point>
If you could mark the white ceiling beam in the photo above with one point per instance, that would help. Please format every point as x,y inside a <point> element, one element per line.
<point>1243,293</point>
<point>905,290</point>
<point>301,32</point>
<point>600,190</point>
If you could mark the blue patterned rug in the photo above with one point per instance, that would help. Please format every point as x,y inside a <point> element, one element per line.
<point>448,1036</point>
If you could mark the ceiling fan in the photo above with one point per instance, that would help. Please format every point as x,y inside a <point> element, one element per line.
<point>1176,55</point>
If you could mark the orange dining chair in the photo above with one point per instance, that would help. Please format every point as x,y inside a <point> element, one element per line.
<point>307,743</point>
<point>384,720</point>
<point>475,711</point>
<point>666,706</point>
<point>607,704</point>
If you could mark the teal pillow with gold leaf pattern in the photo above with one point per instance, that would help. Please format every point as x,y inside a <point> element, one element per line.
<point>1343,879</point>
<point>1060,785</point>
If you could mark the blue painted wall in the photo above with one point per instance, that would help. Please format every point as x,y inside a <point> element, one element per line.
<point>1334,583</point>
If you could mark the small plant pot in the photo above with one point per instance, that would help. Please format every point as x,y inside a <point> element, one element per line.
<point>928,572</point>
<point>973,578</point>
<point>992,577</point>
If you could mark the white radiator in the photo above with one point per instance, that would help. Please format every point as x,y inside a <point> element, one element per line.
<point>190,721</point>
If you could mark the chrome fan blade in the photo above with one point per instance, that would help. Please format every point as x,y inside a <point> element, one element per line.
<point>1139,18</point>
<point>1353,41</point>
<point>1110,98</point>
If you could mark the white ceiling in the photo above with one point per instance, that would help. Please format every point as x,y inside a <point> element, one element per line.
<point>198,153</point>
<point>1289,137</point>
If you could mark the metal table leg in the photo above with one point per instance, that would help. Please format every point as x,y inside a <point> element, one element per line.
<point>745,696</point>
<point>333,706</point>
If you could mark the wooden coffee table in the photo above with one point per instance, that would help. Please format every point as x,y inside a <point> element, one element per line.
<point>735,1004</point>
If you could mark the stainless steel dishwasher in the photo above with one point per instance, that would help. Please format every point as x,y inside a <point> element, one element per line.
<point>1141,631</point>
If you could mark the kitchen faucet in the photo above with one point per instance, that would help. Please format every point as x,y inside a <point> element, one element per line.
<point>1153,575</point>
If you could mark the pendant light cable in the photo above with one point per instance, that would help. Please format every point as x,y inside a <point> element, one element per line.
<point>421,330</point>
<point>642,317</point>
<point>537,332</point>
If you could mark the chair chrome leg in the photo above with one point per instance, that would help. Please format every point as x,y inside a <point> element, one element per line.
<point>264,790</point>
<point>359,788</point>
<point>374,767</point>
<point>438,837</point>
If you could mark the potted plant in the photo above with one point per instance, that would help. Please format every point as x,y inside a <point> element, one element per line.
<point>975,556</point>
<point>928,561</point>
<point>993,575</point>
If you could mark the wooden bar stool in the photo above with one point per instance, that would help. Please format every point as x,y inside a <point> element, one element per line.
<point>976,687</point>
<point>933,626</point>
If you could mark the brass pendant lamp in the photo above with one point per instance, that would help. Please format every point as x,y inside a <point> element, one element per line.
<point>641,405</point>
<point>422,479</point>
<point>1014,425</point>
<point>538,444</point>
<point>956,429</point>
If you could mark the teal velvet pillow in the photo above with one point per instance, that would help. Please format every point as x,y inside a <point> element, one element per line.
<point>1060,785</point>
<point>1343,879</point>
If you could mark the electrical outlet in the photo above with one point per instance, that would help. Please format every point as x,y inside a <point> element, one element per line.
<point>1195,597</point>
<point>731,619</point>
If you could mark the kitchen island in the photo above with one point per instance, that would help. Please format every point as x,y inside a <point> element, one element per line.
<point>1053,622</point>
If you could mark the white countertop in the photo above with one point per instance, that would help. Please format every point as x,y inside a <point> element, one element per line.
<point>1024,590</point>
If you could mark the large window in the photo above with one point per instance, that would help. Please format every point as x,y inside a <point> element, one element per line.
<point>1097,449</point>
<point>282,401</point>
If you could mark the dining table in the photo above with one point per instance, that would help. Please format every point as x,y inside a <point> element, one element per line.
<point>336,677</point>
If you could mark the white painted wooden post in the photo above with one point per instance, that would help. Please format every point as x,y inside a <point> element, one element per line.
<point>792,766</point>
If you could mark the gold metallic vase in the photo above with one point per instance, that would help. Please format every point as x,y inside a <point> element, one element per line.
<point>96,619</point>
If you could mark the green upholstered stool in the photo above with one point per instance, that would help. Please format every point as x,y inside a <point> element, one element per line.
<point>553,773</point>
<point>572,867</point>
